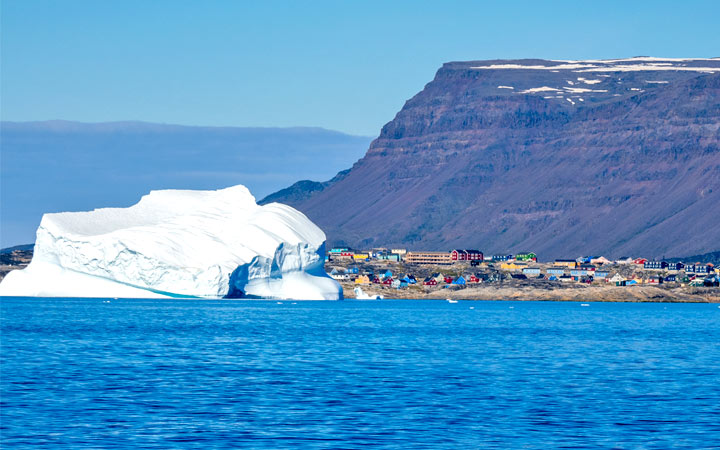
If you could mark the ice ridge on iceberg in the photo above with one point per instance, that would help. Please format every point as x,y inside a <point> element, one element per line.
<point>179,243</point>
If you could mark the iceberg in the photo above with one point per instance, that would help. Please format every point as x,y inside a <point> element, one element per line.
<point>179,243</point>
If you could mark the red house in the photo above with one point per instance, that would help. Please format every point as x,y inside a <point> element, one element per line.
<point>466,255</point>
<point>376,280</point>
<point>387,281</point>
<point>430,281</point>
<point>640,261</point>
<point>448,280</point>
<point>473,279</point>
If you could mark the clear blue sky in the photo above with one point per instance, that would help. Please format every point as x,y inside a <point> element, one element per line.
<point>342,65</point>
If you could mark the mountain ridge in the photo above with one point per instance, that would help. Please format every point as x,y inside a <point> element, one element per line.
<point>622,159</point>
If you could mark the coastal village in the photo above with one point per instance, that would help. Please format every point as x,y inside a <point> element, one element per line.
<point>469,274</point>
<point>464,273</point>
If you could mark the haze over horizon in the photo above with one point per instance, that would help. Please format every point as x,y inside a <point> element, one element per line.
<point>264,65</point>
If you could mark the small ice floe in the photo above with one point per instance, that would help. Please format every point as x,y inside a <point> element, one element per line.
<point>512,307</point>
<point>472,307</point>
<point>361,295</point>
<point>505,87</point>
<point>584,304</point>
<point>449,300</point>
<point>293,303</point>
<point>279,303</point>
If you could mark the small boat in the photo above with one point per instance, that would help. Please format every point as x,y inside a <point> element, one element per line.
<point>451,300</point>
<point>584,304</point>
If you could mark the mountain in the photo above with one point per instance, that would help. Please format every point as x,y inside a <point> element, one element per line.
<point>69,166</point>
<point>559,157</point>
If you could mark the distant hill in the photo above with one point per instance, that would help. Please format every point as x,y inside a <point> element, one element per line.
<point>712,257</point>
<point>64,166</point>
<point>22,248</point>
<point>559,157</point>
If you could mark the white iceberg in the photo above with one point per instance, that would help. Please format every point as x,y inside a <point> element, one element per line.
<point>179,243</point>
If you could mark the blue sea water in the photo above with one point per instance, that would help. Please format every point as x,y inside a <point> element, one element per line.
<point>83,373</point>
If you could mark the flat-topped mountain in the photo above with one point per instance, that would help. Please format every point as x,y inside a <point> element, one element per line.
<point>559,157</point>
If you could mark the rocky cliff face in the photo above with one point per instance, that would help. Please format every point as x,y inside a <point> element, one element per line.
<point>558,157</point>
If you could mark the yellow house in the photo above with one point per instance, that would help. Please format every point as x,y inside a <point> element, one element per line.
<point>512,265</point>
<point>362,279</point>
<point>360,256</point>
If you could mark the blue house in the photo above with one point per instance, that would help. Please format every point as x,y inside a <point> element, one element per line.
<point>578,272</point>
<point>531,271</point>
<point>459,280</point>
<point>556,271</point>
<point>388,274</point>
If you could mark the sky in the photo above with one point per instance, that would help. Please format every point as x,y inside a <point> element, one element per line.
<point>341,65</point>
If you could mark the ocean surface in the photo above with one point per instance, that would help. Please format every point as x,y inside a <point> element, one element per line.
<point>88,373</point>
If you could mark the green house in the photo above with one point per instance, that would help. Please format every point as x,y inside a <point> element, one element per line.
<point>527,256</point>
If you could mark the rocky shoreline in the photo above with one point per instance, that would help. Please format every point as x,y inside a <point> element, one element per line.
<point>520,292</point>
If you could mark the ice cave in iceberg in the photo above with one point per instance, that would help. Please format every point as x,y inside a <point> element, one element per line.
<point>179,243</point>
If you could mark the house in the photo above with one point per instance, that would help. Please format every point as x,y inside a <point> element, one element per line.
<point>429,281</point>
<point>399,251</point>
<point>466,255</point>
<point>655,280</point>
<point>617,278</point>
<point>353,270</point>
<point>473,279</point>
<point>500,258</point>
<point>588,268</point>
<point>624,260</point>
<point>513,266</point>
<point>388,257</point>
<point>671,278</point>
<point>675,266</point>
<point>552,278</point>
<point>428,258</point>
<point>459,281</point>
<point>396,284</point>
<point>640,261</point>
<point>713,281</point>
<point>387,281</point>
<point>338,250</point>
<point>655,265</point>
<point>531,270</point>
<point>438,277</point>
<point>339,275</point>
<point>519,276</point>
<point>526,256</point>
<point>448,279</point>
<point>376,280</point>
<point>565,278</point>
<point>361,256</point>
<point>362,279</point>
<point>602,274</point>
<point>571,263</point>
<point>577,273</point>
<point>600,260</point>
<point>388,274</point>
<point>699,269</point>
<point>556,271</point>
